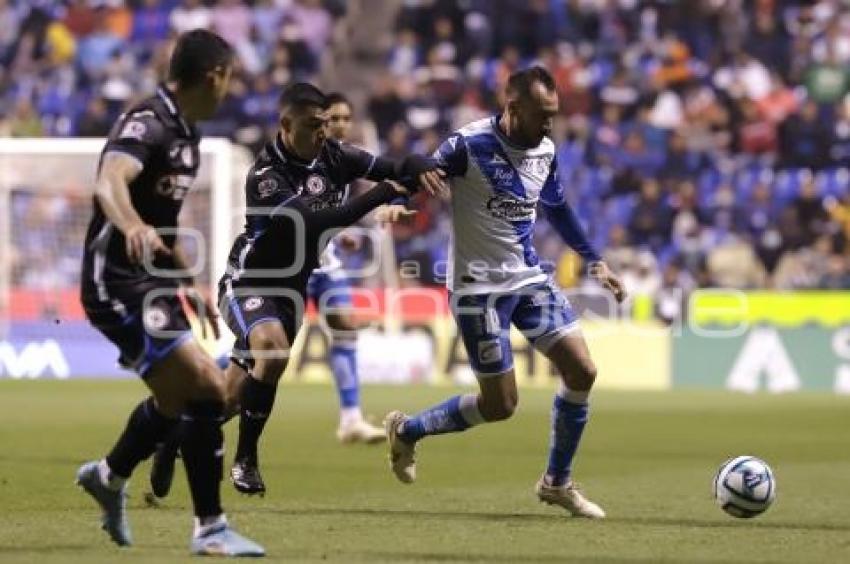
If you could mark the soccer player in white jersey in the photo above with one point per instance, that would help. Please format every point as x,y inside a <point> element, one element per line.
<point>330,289</point>
<point>499,170</point>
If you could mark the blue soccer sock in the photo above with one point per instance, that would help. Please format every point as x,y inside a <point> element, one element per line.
<point>452,416</point>
<point>344,367</point>
<point>569,416</point>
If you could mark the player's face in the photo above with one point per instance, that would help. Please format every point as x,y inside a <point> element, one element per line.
<point>534,115</point>
<point>338,124</point>
<point>216,89</point>
<point>304,131</point>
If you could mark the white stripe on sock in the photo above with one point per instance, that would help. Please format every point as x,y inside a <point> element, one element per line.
<point>469,409</point>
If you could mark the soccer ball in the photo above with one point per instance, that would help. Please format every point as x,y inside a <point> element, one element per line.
<point>744,486</point>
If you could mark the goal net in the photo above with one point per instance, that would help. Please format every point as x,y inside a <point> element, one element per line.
<point>45,205</point>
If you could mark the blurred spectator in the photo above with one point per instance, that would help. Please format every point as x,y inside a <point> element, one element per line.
<point>189,15</point>
<point>309,14</point>
<point>651,219</point>
<point>97,48</point>
<point>805,139</point>
<point>811,212</point>
<point>95,122</point>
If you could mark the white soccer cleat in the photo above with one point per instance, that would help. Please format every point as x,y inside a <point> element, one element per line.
<point>402,455</point>
<point>360,431</point>
<point>570,498</point>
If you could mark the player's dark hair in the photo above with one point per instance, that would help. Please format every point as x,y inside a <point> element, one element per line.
<point>197,53</point>
<point>520,82</point>
<point>337,98</point>
<point>302,95</point>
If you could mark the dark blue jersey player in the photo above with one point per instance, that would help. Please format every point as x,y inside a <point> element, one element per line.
<point>132,270</point>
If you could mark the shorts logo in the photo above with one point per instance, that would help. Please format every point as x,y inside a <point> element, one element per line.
<point>489,351</point>
<point>156,318</point>
<point>134,130</point>
<point>315,185</point>
<point>253,303</point>
<point>267,187</point>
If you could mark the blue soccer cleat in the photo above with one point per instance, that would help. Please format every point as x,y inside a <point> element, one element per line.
<point>112,502</point>
<point>221,540</point>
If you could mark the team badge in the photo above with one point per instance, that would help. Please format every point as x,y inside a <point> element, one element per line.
<point>253,303</point>
<point>315,185</point>
<point>134,130</point>
<point>156,318</point>
<point>489,351</point>
<point>267,187</point>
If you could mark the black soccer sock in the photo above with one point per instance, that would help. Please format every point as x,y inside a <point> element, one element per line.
<point>203,454</point>
<point>145,428</point>
<point>256,406</point>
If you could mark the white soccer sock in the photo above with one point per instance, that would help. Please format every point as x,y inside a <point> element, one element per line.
<point>469,409</point>
<point>350,415</point>
<point>108,478</point>
<point>202,526</point>
<point>573,396</point>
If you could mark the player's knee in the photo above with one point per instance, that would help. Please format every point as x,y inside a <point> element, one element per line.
<point>583,376</point>
<point>498,409</point>
<point>271,352</point>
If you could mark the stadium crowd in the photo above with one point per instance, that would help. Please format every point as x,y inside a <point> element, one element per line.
<point>704,143</point>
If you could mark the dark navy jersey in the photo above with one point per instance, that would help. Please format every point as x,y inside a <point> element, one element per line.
<point>166,146</point>
<point>291,207</point>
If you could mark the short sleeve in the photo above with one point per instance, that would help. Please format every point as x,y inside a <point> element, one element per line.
<point>139,136</point>
<point>552,193</point>
<point>451,155</point>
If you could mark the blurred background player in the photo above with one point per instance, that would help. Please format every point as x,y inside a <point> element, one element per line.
<point>130,287</point>
<point>331,291</point>
<point>500,168</point>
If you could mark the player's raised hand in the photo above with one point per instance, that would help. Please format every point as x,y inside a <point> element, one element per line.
<point>602,274</point>
<point>204,306</point>
<point>142,240</point>
<point>393,213</point>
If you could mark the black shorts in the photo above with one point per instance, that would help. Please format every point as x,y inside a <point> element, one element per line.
<point>145,325</point>
<point>244,308</point>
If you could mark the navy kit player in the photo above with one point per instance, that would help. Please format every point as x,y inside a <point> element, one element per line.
<point>499,170</point>
<point>330,288</point>
<point>295,195</point>
<point>132,270</point>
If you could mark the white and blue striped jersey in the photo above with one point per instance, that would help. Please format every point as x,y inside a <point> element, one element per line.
<point>496,187</point>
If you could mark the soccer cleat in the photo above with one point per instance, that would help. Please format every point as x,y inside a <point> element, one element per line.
<point>162,468</point>
<point>402,454</point>
<point>246,478</point>
<point>570,498</point>
<point>111,502</point>
<point>221,540</point>
<point>360,432</point>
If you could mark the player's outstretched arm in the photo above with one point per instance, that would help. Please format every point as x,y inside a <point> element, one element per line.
<point>351,211</point>
<point>112,192</point>
<point>414,171</point>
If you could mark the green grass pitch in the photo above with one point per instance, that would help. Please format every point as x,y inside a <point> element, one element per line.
<point>648,458</point>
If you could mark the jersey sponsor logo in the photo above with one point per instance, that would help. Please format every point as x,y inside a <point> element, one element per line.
<point>156,318</point>
<point>174,186</point>
<point>133,130</point>
<point>253,303</point>
<point>504,177</point>
<point>267,187</point>
<point>489,351</point>
<point>315,185</point>
<point>504,206</point>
